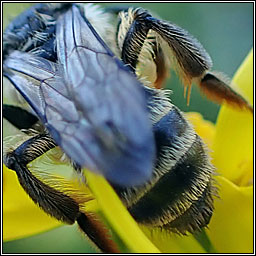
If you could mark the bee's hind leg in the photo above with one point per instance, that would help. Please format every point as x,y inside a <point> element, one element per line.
<point>191,60</point>
<point>217,89</point>
<point>131,41</point>
<point>52,201</point>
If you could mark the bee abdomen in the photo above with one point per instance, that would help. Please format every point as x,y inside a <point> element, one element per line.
<point>177,191</point>
<point>179,195</point>
<point>197,216</point>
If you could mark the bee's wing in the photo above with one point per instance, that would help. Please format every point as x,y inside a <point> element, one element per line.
<point>94,108</point>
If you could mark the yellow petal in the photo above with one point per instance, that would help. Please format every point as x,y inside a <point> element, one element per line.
<point>21,217</point>
<point>118,217</point>
<point>243,78</point>
<point>231,227</point>
<point>233,143</point>
<point>205,129</point>
<point>171,243</point>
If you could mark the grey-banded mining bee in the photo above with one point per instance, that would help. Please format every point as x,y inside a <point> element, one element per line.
<point>87,86</point>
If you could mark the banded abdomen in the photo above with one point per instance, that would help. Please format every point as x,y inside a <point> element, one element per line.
<point>179,195</point>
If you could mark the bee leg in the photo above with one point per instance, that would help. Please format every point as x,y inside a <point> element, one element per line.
<point>135,36</point>
<point>162,71</point>
<point>193,65</point>
<point>134,40</point>
<point>52,201</point>
<point>219,90</point>
<point>19,117</point>
<point>97,232</point>
<point>191,60</point>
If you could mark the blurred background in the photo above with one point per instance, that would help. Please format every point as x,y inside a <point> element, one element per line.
<point>226,32</point>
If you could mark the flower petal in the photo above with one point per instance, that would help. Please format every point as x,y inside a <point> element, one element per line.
<point>231,227</point>
<point>205,129</point>
<point>243,78</point>
<point>21,217</point>
<point>171,243</point>
<point>118,217</point>
<point>233,143</point>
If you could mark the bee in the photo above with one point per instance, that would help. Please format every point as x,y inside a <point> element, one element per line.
<point>83,84</point>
